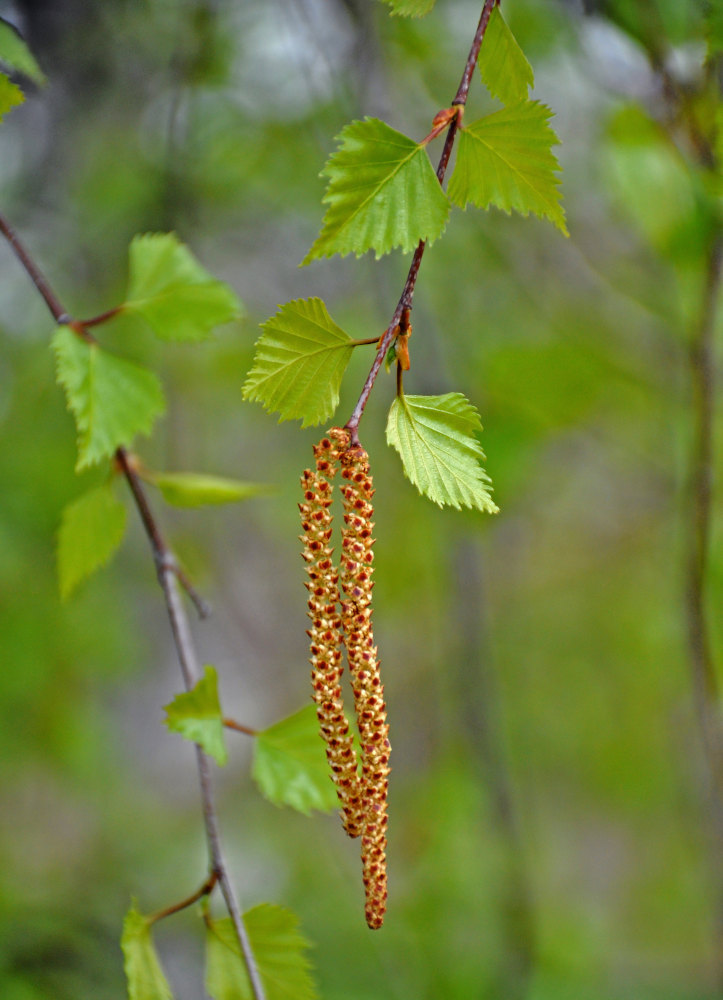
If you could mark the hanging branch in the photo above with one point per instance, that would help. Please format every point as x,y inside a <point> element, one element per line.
<point>169,577</point>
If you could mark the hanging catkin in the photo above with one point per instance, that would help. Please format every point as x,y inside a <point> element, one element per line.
<point>356,584</point>
<point>325,634</point>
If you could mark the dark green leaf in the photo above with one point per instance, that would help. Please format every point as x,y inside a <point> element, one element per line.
<point>435,436</point>
<point>290,765</point>
<point>91,530</point>
<point>299,363</point>
<point>111,399</point>
<point>505,160</point>
<point>172,292</point>
<point>191,489</point>
<point>197,715</point>
<point>144,974</point>
<point>16,55</point>
<point>382,193</point>
<point>505,70</point>
<point>279,950</point>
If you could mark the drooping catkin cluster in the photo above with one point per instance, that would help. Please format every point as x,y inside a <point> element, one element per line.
<point>347,619</point>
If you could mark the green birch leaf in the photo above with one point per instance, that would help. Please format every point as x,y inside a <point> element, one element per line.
<point>144,974</point>
<point>192,489</point>
<point>411,8</point>
<point>505,160</point>
<point>91,529</point>
<point>382,193</point>
<point>279,950</point>
<point>16,55</point>
<point>503,65</point>
<point>435,436</point>
<point>196,715</point>
<point>299,363</point>
<point>170,290</point>
<point>290,765</point>
<point>111,399</point>
<point>10,95</point>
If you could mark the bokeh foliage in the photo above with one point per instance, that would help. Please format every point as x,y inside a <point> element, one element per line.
<point>548,832</point>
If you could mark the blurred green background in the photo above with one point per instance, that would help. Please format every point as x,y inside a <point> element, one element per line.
<point>550,828</point>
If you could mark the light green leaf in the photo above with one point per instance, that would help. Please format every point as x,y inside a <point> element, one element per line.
<point>299,363</point>
<point>382,193</point>
<point>279,950</point>
<point>504,67</point>
<point>16,55</point>
<point>10,95</point>
<point>411,8</point>
<point>172,292</point>
<point>435,436</point>
<point>197,715</point>
<point>505,160</point>
<point>192,489</point>
<point>290,765</point>
<point>91,529</point>
<point>144,974</point>
<point>111,399</point>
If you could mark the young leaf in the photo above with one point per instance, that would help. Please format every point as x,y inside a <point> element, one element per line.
<point>290,765</point>
<point>143,970</point>
<point>299,363</point>
<point>279,949</point>
<point>382,193</point>
<point>411,8</point>
<point>191,489</point>
<point>111,399</point>
<point>10,95</point>
<point>91,529</point>
<point>197,715</point>
<point>170,290</point>
<point>505,160</point>
<point>505,70</point>
<point>16,55</point>
<point>435,436</point>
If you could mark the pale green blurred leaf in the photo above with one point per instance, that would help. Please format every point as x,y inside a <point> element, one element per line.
<point>290,765</point>
<point>193,489</point>
<point>382,193</point>
<point>505,160</point>
<point>503,65</point>
<point>144,974</point>
<point>279,950</point>
<point>299,363</point>
<point>434,436</point>
<point>411,8</point>
<point>111,399</point>
<point>16,55</point>
<point>177,297</point>
<point>91,529</point>
<point>10,95</point>
<point>196,715</point>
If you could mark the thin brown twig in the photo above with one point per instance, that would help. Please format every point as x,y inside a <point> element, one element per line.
<point>169,579</point>
<point>205,890</point>
<point>405,300</point>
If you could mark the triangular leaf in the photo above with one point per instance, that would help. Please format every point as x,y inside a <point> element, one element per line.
<point>10,95</point>
<point>91,530</point>
<point>16,55</point>
<point>279,950</point>
<point>504,67</point>
<point>505,160</point>
<point>177,297</point>
<point>435,436</point>
<point>299,363</point>
<point>411,8</point>
<point>290,765</point>
<point>111,399</point>
<point>382,193</point>
<point>144,974</point>
<point>192,489</point>
<point>196,714</point>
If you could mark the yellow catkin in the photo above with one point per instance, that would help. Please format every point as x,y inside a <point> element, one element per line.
<point>325,634</point>
<point>356,584</point>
